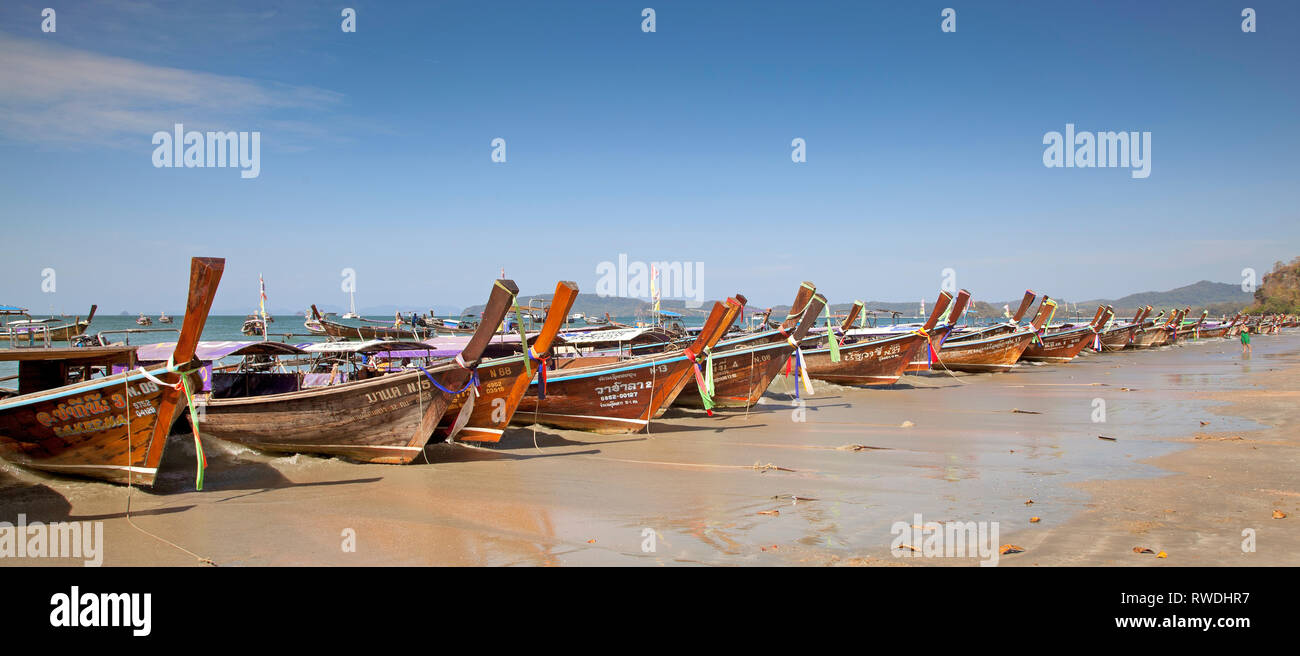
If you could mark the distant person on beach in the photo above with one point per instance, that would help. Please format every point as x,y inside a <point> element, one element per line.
<point>1245,341</point>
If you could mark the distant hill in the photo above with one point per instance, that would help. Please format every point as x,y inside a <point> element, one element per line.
<point>1217,297</point>
<point>1203,294</point>
<point>1279,291</point>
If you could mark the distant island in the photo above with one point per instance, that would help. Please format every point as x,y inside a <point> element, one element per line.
<point>1217,297</point>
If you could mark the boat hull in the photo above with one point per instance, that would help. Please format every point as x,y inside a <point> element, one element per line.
<point>82,429</point>
<point>501,386</point>
<point>924,357</point>
<point>604,395</point>
<point>1059,348</point>
<point>740,376</point>
<point>385,420</point>
<point>1210,333</point>
<point>871,362</point>
<point>1117,339</point>
<point>1149,338</point>
<point>998,353</point>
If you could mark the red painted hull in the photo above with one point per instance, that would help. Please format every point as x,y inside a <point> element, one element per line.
<point>1059,348</point>
<point>998,353</point>
<point>869,362</point>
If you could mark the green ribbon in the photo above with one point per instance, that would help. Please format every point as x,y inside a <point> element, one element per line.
<point>833,341</point>
<point>201,460</point>
<point>708,375</point>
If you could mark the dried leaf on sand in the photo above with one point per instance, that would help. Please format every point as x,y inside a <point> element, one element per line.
<point>1010,549</point>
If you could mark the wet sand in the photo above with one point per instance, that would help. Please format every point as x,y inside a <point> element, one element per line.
<point>949,447</point>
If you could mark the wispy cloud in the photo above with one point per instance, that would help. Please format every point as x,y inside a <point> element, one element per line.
<point>58,95</point>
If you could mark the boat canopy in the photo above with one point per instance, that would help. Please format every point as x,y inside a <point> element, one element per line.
<point>387,348</point>
<point>213,351</point>
<point>601,336</point>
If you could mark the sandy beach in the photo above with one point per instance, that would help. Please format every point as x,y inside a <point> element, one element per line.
<point>1204,447</point>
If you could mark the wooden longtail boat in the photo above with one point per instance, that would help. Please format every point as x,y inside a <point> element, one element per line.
<point>745,366</point>
<point>1151,331</point>
<point>112,428</point>
<point>1166,332</point>
<point>504,381</point>
<point>1219,330</point>
<point>1191,330</point>
<point>866,359</point>
<point>387,419</point>
<point>921,359</point>
<point>1062,346</point>
<point>366,333</point>
<point>997,353</point>
<point>1119,336</point>
<point>734,307</point>
<point>1004,328</point>
<point>946,318</point>
<point>612,394</point>
<point>31,332</point>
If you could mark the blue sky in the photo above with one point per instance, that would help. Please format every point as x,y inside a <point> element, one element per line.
<point>924,149</point>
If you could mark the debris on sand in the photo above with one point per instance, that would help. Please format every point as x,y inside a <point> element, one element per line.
<point>793,498</point>
<point>1278,514</point>
<point>1162,555</point>
<point>769,467</point>
<point>1142,550</point>
<point>1010,549</point>
<point>1029,502</point>
<point>860,447</point>
<point>906,424</point>
<point>1103,437</point>
<point>769,512</point>
<point>1024,412</point>
<point>1035,520</point>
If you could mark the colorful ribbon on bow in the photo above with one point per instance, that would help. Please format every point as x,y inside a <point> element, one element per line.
<point>472,383</point>
<point>183,386</point>
<point>800,368</point>
<point>541,372</point>
<point>831,340</point>
<point>705,387</point>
